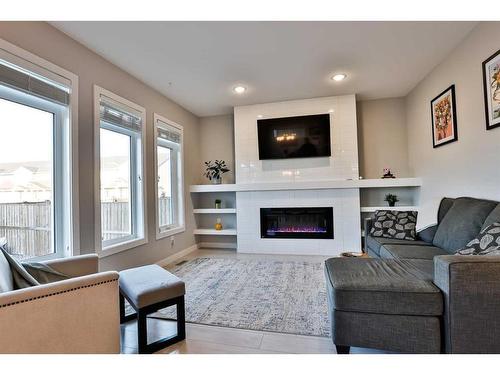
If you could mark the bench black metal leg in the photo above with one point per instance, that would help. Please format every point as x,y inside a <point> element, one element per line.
<point>341,349</point>
<point>181,319</point>
<point>142,332</point>
<point>142,327</point>
<point>125,318</point>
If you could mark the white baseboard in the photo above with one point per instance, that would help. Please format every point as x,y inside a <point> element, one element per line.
<point>172,258</point>
<point>217,245</point>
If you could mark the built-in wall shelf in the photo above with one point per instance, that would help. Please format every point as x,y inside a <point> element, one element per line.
<point>387,208</point>
<point>304,185</point>
<point>214,210</point>
<point>214,232</point>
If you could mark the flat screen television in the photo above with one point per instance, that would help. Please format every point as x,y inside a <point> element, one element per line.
<point>294,137</point>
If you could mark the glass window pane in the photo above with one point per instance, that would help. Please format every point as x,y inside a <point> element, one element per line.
<point>26,179</point>
<point>165,186</point>
<point>115,185</point>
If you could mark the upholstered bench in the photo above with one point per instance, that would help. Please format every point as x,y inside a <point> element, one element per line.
<point>149,289</point>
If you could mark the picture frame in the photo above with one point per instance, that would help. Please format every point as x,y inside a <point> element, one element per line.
<point>444,118</point>
<point>491,84</point>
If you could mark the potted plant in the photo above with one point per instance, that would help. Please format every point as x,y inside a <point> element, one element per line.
<point>391,199</point>
<point>215,170</point>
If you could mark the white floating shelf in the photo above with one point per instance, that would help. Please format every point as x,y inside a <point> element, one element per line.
<point>213,232</point>
<point>214,210</point>
<point>304,185</point>
<point>387,208</point>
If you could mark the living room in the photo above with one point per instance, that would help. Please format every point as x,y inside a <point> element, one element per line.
<point>165,193</point>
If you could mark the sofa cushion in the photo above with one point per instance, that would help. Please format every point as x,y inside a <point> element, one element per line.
<point>6,279</point>
<point>486,243</point>
<point>410,252</point>
<point>382,286</point>
<point>375,243</point>
<point>462,223</point>
<point>394,224</point>
<point>444,207</point>
<point>493,217</point>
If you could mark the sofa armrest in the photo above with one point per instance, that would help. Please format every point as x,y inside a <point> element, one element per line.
<point>78,315</point>
<point>427,234</point>
<point>471,290</point>
<point>75,266</point>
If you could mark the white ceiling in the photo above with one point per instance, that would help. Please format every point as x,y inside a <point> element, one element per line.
<point>196,64</point>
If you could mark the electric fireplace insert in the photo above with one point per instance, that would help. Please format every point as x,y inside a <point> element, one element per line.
<point>297,222</point>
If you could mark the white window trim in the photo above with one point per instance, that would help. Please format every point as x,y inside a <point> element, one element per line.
<point>36,64</point>
<point>181,205</point>
<point>126,245</point>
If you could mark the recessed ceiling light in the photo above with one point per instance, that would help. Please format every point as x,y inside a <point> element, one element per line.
<point>339,77</point>
<point>239,89</point>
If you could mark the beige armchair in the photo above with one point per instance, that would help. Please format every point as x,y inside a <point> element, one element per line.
<point>78,315</point>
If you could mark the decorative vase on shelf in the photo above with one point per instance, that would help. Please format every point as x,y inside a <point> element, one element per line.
<point>218,224</point>
<point>218,204</point>
<point>217,181</point>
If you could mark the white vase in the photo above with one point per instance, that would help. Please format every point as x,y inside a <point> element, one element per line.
<point>217,181</point>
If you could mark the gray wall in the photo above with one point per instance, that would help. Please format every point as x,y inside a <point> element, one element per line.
<point>382,137</point>
<point>470,166</point>
<point>217,142</point>
<point>47,42</point>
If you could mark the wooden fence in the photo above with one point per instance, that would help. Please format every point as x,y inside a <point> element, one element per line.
<point>27,226</point>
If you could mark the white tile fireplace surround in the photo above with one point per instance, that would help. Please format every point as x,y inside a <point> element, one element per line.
<point>346,219</point>
<point>342,165</point>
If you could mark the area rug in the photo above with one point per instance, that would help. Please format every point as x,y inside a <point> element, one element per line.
<point>262,295</point>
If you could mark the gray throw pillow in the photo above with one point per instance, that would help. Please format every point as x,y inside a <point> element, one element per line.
<point>486,243</point>
<point>43,273</point>
<point>395,224</point>
<point>22,279</point>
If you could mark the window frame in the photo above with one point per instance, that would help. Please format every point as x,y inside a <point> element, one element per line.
<point>68,231</point>
<point>137,159</point>
<point>167,231</point>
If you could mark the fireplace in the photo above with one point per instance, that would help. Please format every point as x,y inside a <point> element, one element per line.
<point>296,222</point>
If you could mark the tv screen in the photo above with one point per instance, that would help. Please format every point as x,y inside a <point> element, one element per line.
<point>294,137</point>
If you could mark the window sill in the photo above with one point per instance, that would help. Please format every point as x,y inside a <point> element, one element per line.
<point>170,232</point>
<point>123,246</point>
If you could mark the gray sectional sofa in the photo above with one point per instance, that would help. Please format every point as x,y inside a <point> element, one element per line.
<point>417,296</point>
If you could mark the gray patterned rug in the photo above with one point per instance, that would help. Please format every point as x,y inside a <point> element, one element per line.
<point>261,295</point>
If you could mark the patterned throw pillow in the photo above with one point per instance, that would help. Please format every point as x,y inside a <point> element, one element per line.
<point>486,243</point>
<point>395,224</point>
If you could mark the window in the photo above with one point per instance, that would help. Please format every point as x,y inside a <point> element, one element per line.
<point>121,221</point>
<point>169,177</point>
<point>36,177</point>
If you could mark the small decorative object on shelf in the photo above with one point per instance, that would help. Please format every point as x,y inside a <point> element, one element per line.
<point>215,170</point>
<point>391,199</point>
<point>218,224</point>
<point>351,254</point>
<point>388,173</point>
<point>218,204</point>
